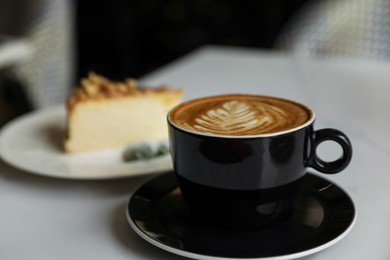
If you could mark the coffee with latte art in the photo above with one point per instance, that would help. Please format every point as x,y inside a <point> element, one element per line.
<point>239,115</point>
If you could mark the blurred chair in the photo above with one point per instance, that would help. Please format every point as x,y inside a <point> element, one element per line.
<point>12,52</point>
<point>46,77</point>
<point>339,28</point>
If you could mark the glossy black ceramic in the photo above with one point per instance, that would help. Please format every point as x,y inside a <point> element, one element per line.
<point>248,182</point>
<point>323,214</point>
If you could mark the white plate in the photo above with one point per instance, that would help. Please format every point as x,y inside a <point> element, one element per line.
<point>33,143</point>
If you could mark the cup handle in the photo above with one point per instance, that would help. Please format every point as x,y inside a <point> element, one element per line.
<point>339,164</point>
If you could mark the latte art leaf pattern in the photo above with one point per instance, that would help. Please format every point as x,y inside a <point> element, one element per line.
<point>239,115</point>
<point>232,116</point>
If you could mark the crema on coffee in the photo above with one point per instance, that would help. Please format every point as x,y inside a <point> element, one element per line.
<point>239,115</point>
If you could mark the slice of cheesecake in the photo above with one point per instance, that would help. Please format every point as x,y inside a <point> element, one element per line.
<point>102,113</point>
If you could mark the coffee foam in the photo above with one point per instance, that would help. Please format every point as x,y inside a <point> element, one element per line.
<point>238,115</point>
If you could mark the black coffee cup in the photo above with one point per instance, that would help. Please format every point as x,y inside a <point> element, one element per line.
<point>249,181</point>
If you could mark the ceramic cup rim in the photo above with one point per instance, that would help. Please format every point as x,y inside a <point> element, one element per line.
<point>274,134</point>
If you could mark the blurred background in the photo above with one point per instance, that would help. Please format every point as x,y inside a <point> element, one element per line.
<point>141,35</point>
<point>47,45</point>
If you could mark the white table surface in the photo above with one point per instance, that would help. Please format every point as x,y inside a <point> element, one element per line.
<point>47,218</point>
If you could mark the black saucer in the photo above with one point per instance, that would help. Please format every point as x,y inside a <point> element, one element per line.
<point>323,215</point>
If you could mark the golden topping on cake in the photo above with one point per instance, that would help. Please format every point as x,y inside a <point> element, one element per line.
<point>98,87</point>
